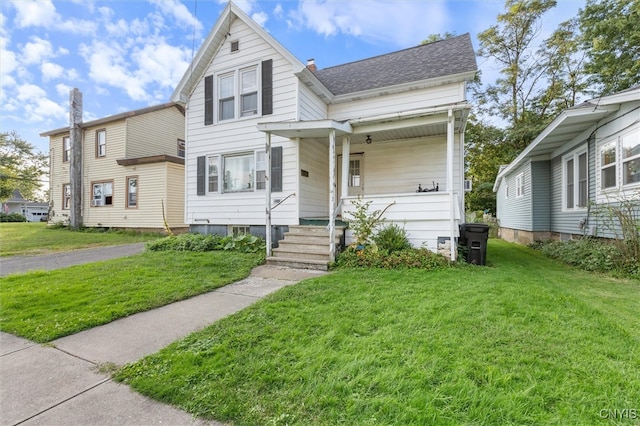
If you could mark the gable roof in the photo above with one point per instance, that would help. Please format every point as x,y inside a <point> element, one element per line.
<point>115,117</point>
<point>212,44</point>
<point>428,61</point>
<point>569,124</point>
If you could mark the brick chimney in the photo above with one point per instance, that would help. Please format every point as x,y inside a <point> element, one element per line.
<point>311,64</point>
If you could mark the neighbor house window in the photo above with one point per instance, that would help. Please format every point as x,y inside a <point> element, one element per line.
<point>520,185</point>
<point>66,148</point>
<point>575,180</point>
<point>631,157</point>
<point>506,190</point>
<point>181,147</point>
<point>226,100</point>
<point>608,165</point>
<point>66,196</point>
<point>249,92</point>
<point>213,174</point>
<point>102,194</point>
<point>132,192</point>
<point>101,143</point>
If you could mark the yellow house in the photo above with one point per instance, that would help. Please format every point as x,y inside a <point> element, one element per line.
<point>132,170</point>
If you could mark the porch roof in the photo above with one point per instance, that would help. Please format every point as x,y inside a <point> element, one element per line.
<point>400,125</point>
<point>306,129</point>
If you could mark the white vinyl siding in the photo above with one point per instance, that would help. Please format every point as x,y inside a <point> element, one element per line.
<point>398,102</point>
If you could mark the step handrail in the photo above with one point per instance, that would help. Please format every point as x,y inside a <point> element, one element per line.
<point>283,200</point>
<point>335,212</point>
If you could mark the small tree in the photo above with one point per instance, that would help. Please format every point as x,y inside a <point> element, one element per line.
<point>21,167</point>
<point>364,222</point>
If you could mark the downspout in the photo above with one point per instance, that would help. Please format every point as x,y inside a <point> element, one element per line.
<point>452,206</point>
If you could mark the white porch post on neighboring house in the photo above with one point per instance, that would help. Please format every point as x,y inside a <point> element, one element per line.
<point>450,187</point>
<point>332,195</point>
<point>346,150</point>
<point>267,181</point>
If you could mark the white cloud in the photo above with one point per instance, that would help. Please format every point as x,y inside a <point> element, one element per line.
<point>36,50</point>
<point>8,64</point>
<point>51,71</point>
<point>108,65</point>
<point>402,23</point>
<point>278,11</point>
<point>42,13</point>
<point>63,89</point>
<point>245,5</point>
<point>161,63</point>
<point>260,18</point>
<point>34,105</point>
<point>179,12</point>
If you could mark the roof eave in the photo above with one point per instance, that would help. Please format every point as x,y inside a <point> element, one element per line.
<point>555,124</point>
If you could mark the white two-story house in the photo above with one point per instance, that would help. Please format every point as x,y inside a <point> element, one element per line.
<point>273,143</point>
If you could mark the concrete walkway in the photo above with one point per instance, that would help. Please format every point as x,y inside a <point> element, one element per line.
<point>61,383</point>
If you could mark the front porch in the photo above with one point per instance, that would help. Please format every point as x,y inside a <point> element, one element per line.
<point>384,160</point>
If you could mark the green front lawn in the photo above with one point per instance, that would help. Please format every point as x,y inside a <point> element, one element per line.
<point>43,306</point>
<point>25,238</point>
<point>525,341</point>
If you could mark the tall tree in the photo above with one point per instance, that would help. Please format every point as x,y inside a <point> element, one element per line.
<point>511,44</point>
<point>611,38</point>
<point>21,167</point>
<point>486,150</point>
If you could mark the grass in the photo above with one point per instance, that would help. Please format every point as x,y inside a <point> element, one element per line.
<point>26,238</point>
<point>43,306</point>
<point>525,341</point>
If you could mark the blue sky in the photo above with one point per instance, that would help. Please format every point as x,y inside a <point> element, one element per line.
<point>126,55</point>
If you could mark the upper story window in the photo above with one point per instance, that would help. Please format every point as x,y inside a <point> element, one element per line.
<point>66,148</point>
<point>619,161</point>
<point>101,143</point>
<point>132,192</point>
<point>181,148</point>
<point>575,180</point>
<point>226,97</point>
<point>243,92</point>
<point>102,194</point>
<point>520,185</point>
<point>249,92</point>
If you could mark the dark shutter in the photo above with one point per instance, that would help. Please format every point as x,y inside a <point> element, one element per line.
<point>276,169</point>
<point>202,176</point>
<point>267,87</point>
<point>208,100</point>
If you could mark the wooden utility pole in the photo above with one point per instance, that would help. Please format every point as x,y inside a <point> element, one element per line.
<point>75,160</point>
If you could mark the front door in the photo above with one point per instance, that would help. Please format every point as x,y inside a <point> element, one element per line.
<point>356,175</point>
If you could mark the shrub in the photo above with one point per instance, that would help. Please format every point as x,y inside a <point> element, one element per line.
<point>364,222</point>
<point>12,217</point>
<point>372,257</point>
<point>392,238</point>
<point>590,254</point>
<point>201,243</point>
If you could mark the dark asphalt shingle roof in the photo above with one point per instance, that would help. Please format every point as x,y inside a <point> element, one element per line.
<point>446,57</point>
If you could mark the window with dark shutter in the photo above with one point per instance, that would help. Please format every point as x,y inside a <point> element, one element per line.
<point>276,169</point>
<point>208,100</point>
<point>267,87</point>
<point>201,175</point>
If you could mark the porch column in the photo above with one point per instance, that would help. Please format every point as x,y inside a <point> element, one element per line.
<point>332,195</point>
<point>346,151</point>
<point>450,188</point>
<point>267,182</point>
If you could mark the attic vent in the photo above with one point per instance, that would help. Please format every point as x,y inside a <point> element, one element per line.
<point>235,46</point>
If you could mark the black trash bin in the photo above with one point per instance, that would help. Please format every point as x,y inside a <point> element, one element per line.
<point>474,236</point>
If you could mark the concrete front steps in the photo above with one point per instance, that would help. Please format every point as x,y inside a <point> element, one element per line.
<point>305,247</point>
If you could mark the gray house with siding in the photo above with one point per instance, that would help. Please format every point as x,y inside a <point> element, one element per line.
<point>588,156</point>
